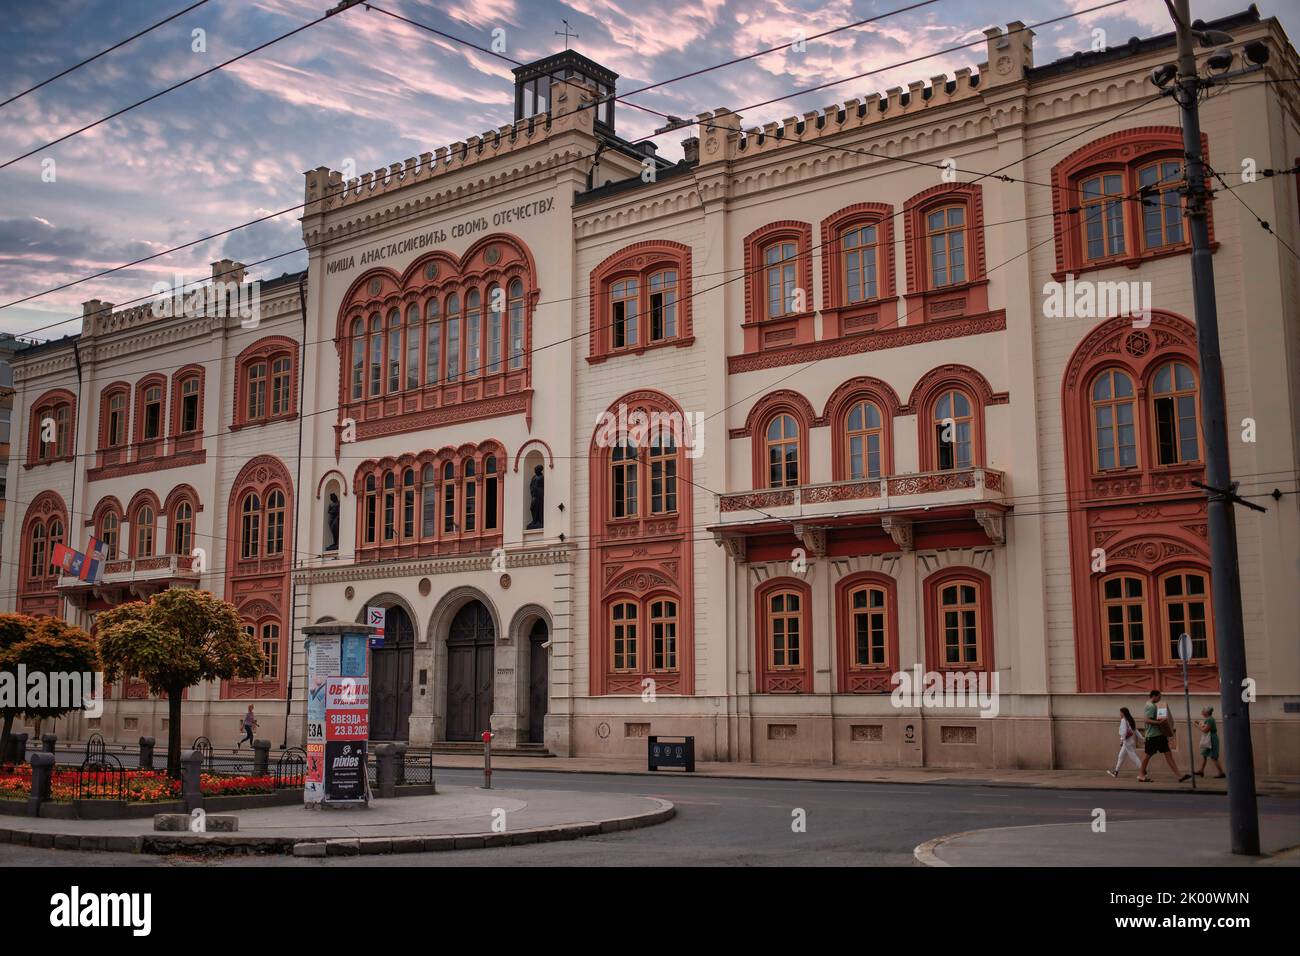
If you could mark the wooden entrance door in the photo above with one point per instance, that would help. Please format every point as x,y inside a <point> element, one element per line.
<point>390,678</point>
<point>470,668</point>
<point>539,683</point>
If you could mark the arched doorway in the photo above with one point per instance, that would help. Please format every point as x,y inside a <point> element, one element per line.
<point>470,670</point>
<point>390,678</point>
<point>539,681</point>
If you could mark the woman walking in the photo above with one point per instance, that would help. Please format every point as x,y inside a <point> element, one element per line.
<point>1127,742</point>
<point>1209,729</point>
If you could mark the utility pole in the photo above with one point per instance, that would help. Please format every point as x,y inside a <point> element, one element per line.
<point>1225,583</point>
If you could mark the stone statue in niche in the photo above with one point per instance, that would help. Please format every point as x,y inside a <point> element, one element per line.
<point>332,523</point>
<point>536,494</point>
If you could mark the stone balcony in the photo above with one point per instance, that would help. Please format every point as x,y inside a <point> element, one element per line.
<point>968,486</point>
<point>124,579</point>
<point>891,505</point>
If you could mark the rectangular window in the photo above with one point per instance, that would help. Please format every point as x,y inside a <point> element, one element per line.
<point>190,406</point>
<point>280,370</point>
<point>1103,215</point>
<point>429,509</point>
<point>517,333</point>
<point>453,349</point>
<point>432,353</point>
<point>472,342</point>
<point>663,634</point>
<point>868,620</point>
<point>494,340</point>
<point>623,636</point>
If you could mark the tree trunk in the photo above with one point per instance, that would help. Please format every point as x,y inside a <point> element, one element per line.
<point>10,714</point>
<point>174,732</point>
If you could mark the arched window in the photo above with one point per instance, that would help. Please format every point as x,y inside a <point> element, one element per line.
<point>959,616</point>
<point>785,629</point>
<point>623,481</point>
<point>107,533</point>
<point>394,350</point>
<point>623,636</point>
<point>1161,184</point>
<point>151,426</point>
<point>637,299</point>
<point>142,524</point>
<point>496,303</point>
<point>453,337</point>
<point>39,555</point>
<point>250,517</point>
<point>358,358</point>
<point>275,523</point>
<point>516,305</point>
<point>868,626</point>
<point>370,505</point>
<point>189,410</point>
<point>1185,609</point>
<point>280,386</point>
<point>270,637</point>
<point>428,502</point>
<point>473,333</point>
<point>471,496</point>
<point>863,440</point>
<point>55,530</point>
<point>1173,401</point>
<point>376,355</point>
<point>780,279</point>
<point>781,440</point>
<point>1101,199</point>
<point>255,391</point>
<point>663,474</point>
<point>491,494</point>
<point>1113,421</point>
<point>1123,609</point>
<point>663,634</point>
<point>413,346</point>
<point>51,427</point>
<point>945,241</point>
<point>390,507</point>
<point>408,504</point>
<point>448,498</point>
<point>433,343</point>
<point>116,416</point>
<point>624,298</point>
<point>182,528</point>
<point>1118,200</point>
<point>954,427</point>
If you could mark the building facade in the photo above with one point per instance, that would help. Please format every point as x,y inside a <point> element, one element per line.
<point>627,447</point>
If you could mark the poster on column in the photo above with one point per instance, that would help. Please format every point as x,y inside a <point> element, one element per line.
<point>338,719</point>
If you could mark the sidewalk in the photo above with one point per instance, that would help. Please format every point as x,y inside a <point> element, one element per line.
<point>456,818</point>
<point>963,777</point>
<point>1198,841</point>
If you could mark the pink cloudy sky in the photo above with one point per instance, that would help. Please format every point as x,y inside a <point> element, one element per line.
<point>367,88</point>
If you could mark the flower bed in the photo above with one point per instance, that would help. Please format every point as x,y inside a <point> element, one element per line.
<point>142,786</point>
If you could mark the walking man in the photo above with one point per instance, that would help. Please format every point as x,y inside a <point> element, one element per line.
<point>1158,727</point>
<point>249,724</point>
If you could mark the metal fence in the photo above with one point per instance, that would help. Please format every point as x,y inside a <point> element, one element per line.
<point>101,777</point>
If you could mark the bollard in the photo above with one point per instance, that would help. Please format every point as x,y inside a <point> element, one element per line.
<point>42,777</point>
<point>49,742</point>
<point>261,757</point>
<point>18,748</point>
<point>146,753</point>
<point>384,770</point>
<point>191,786</point>
<point>487,760</point>
<point>399,763</point>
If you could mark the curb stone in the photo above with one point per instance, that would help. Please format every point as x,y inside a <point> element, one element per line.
<point>160,843</point>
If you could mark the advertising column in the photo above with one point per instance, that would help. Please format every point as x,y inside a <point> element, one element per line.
<point>338,714</point>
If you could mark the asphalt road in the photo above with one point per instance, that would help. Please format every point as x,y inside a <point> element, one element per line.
<point>738,822</point>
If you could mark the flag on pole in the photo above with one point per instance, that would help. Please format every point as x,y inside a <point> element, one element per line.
<point>75,564</point>
<point>94,558</point>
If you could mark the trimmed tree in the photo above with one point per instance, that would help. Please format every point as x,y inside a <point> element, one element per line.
<point>177,639</point>
<point>48,646</point>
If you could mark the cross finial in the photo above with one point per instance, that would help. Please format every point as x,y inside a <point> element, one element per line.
<point>567,34</point>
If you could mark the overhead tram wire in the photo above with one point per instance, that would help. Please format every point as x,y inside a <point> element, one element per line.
<point>91,59</point>
<point>346,187</point>
<point>163,92</point>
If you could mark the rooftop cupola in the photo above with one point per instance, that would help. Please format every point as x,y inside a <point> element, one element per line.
<point>533,85</point>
